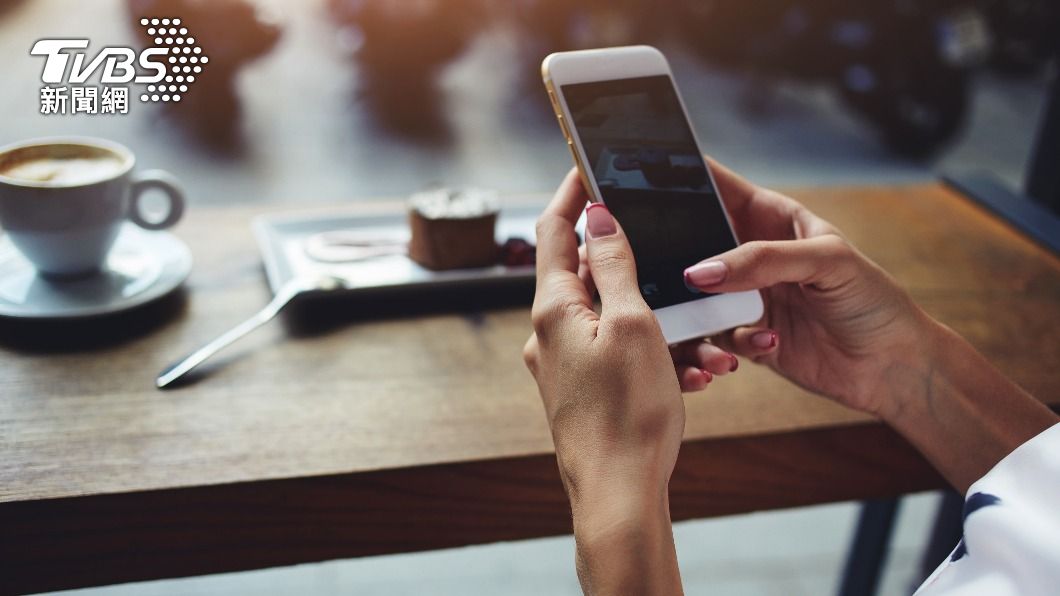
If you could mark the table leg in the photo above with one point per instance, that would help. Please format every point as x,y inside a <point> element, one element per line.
<point>868,552</point>
<point>945,534</point>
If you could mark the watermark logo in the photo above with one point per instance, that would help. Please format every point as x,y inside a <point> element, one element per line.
<point>165,70</point>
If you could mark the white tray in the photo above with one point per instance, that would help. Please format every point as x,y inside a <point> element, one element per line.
<point>282,238</point>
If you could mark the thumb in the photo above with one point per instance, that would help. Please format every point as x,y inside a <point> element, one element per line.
<point>610,260</point>
<point>825,261</point>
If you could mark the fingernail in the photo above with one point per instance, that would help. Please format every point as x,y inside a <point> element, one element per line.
<point>735,363</point>
<point>598,221</point>
<point>706,274</point>
<point>764,340</point>
<point>706,375</point>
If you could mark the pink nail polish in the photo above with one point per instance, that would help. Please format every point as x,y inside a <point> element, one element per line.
<point>598,221</point>
<point>735,363</point>
<point>764,340</point>
<point>706,274</point>
<point>706,375</point>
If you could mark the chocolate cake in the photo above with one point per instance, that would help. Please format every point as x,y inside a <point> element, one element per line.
<point>453,229</point>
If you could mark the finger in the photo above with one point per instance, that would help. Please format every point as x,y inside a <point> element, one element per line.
<point>750,342</point>
<point>558,286</point>
<point>824,262</point>
<point>584,273</point>
<point>705,355</point>
<point>755,214</point>
<point>557,243</point>
<point>693,379</point>
<point>736,191</point>
<point>758,213</point>
<point>611,262</point>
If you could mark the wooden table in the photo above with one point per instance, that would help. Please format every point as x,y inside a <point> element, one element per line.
<point>351,430</point>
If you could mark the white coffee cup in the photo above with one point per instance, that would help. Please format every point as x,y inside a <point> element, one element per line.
<point>63,200</point>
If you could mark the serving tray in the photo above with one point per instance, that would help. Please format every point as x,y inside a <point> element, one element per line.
<point>283,239</point>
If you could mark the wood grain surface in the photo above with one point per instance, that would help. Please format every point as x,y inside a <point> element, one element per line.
<point>391,424</point>
<point>104,539</point>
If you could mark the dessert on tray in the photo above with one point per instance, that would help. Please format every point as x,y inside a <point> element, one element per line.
<point>454,229</point>
<point>447,230</point>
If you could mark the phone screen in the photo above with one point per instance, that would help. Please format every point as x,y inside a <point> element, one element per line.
<point>652,178</point>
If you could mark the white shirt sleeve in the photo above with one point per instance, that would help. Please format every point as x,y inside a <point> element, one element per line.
<point>1011,541</point>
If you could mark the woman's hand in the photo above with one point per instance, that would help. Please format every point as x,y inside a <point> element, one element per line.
<point>834,320</point>
<point>612,399</point>
<point>840,326</point>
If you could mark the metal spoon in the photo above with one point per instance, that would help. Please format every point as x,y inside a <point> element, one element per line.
<point>284,295</point>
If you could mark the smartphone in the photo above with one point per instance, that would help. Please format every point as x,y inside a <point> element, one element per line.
<point>636,152</point>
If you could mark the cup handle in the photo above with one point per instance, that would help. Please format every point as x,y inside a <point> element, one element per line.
<point>165,182</point>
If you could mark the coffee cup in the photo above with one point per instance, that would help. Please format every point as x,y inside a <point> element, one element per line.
<point>64,200</point>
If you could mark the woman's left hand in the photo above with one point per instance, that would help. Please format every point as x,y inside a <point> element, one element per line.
<point>611,394</point>
<point>607,381</point>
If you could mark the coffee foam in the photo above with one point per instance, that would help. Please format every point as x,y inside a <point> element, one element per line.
<point>61,165</point>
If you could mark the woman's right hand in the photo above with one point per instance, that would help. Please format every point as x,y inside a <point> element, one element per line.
<point>835,322</point>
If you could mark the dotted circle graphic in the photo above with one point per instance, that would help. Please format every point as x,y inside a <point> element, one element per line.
<point>184,57</point>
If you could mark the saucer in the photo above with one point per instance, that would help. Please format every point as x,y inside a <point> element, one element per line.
<point>142,267</point>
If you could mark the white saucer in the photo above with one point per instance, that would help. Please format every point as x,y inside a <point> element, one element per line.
<point>141,267</point>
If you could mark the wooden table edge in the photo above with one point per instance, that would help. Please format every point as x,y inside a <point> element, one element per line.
<point>54,544</point>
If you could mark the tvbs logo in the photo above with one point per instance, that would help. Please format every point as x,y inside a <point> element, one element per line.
<point>118,63</point>
<point>167,68</point>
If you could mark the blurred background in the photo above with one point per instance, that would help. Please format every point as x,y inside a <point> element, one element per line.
<point>328,100</point>
<point>324,101</point>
